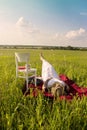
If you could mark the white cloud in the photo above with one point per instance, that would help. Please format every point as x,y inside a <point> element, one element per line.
<point>83,13</point>
<point>26,26</point>
<point>73,38</point>
<point>75,33</point>
<point>24,32</point>
<point>22,22</point>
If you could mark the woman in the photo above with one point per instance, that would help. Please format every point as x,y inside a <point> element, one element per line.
<point>52,81</point>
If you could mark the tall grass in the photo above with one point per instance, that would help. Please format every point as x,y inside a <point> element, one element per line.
<point>18,112</point>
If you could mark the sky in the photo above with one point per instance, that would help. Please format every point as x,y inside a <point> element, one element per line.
<point>43,22</point>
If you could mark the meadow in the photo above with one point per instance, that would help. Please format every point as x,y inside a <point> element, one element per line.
<point>18,112</point>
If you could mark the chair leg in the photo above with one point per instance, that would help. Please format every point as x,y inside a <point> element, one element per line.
<point>16,73</point>
<point>35,79</point>
<point>26,83</point>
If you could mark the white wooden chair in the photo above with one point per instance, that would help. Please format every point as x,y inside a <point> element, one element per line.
<point>23,69</point>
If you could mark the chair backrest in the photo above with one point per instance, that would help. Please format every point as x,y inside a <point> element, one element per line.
<point>22,57</point>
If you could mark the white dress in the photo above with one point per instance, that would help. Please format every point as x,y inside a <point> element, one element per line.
<point>49,72</point>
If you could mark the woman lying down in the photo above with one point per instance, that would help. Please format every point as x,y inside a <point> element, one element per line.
<point>52,82</point>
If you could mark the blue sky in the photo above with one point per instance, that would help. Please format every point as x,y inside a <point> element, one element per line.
<point>43,22</point>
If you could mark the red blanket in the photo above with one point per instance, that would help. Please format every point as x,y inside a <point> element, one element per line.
<point>75,90</point>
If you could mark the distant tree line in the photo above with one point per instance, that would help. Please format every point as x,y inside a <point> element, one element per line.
<point>42,47</point>
<point>64,48</point>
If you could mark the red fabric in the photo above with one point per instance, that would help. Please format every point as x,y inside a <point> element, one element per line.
<point>75,90</point>
<point>21,67</point>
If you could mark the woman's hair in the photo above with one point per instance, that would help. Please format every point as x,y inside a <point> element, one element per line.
<point>57,90</point>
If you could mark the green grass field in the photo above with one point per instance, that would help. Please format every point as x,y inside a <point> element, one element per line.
<point>18,112</point>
